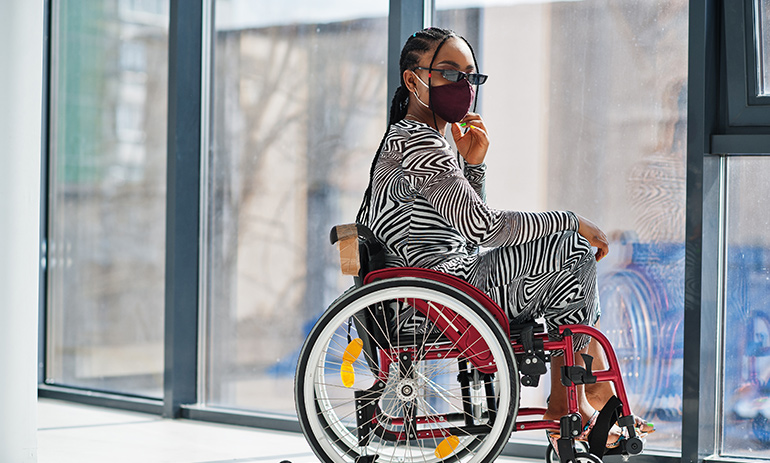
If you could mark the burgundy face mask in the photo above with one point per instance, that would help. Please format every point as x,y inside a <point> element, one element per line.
<point>450,102</point>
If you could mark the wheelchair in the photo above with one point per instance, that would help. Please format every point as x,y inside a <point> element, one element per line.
<point>413,365</point>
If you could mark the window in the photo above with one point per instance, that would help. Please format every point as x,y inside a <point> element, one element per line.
<point>586,105</point>
<point>298,109</point>
<point>107,197</point>
<point>746,413</point>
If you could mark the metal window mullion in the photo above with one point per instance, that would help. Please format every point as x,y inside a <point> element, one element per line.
<point>721,319</point>
<point>404,18</point>
<point>702,119</point>
<point>429,13</point>
<point>757,35</point>
<point>182,206</point>
<point>45,163</point>
<point>207,81</point>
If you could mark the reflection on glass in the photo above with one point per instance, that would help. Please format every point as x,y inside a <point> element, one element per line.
<point>298,109</point>
<point>586,107</point>
<point>762,37</point>
<point>746,415</point>
<point>107,196</point>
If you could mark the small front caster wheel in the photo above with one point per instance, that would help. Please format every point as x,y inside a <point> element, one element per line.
<point>634,446</point>
<point>587,458</point>
<point>552,457</point>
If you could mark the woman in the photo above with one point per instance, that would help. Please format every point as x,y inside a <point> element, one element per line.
<point>426,204</point>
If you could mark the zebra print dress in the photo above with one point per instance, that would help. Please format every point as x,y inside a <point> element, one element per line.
<point>427,207</point>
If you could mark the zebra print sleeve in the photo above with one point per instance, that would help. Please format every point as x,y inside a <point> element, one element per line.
<point>436,175</point>
<point>476,175</point>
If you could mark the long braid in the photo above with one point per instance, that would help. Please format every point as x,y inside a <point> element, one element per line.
<point>400,99</point>
<point>415,47</point>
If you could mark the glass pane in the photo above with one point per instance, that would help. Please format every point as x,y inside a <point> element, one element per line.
<point>762,28</point>
<point>586,105</point>
<point>107,195</point>
<point>298,109</point>
<point>746,413</point>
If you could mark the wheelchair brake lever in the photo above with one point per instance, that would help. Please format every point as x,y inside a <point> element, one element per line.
<point>578,375</point>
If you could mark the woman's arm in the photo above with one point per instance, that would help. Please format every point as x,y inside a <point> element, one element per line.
<point>472,140</point>
<point>476,175</point>
<point>436,175</point>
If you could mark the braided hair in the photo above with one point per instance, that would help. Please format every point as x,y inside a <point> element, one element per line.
<point>416,46</point>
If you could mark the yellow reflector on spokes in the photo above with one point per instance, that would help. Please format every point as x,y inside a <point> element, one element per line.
<point>446,447</point>
<point>347,374</point>
<point>353,350</point>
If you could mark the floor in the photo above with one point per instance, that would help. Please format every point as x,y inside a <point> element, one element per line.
<point>73,433</point>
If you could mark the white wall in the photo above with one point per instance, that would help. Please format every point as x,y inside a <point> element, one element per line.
<point>21,58</point>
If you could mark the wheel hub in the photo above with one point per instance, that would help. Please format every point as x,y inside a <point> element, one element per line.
<point>407,389</point>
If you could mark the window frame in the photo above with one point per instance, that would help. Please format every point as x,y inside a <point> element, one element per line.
<point>726,118</point>
<point>746,108</point>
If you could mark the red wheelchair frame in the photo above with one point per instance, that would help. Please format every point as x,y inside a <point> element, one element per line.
<point>473,348</point>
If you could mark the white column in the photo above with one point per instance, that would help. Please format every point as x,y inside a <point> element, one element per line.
<point>21,83</point>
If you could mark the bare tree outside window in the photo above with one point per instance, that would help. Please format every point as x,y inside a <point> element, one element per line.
<point>298,111</point>
<point>106,237</point>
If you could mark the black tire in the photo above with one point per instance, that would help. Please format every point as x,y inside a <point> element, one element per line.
<point>587,458</point>
<point>327,410</point>
<point>552,457</point>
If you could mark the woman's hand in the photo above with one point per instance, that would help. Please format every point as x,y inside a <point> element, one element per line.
<point>472,144</point>
<point>595,236</point>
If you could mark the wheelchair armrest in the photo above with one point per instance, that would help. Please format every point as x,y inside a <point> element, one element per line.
<point>360,251</point>
<point>347,237</point>
<point>339,232</point>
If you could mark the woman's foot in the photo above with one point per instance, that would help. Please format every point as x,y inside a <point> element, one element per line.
<point>555,413</point>
<point>643,426</point>
<point>599,393</point>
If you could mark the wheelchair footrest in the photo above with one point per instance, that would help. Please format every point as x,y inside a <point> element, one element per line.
<point>597,438</point>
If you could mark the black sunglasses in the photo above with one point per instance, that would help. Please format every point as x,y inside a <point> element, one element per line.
<point>454,76</point>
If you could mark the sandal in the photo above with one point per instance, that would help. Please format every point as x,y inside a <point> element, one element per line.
<point>553,436</point>
<point>614,431</point>
<point>643,427</point>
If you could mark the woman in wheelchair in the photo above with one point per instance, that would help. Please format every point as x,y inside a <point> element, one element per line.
<point>425,204</point>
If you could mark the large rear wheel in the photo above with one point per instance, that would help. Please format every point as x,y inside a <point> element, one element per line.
<point>377,380</point>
